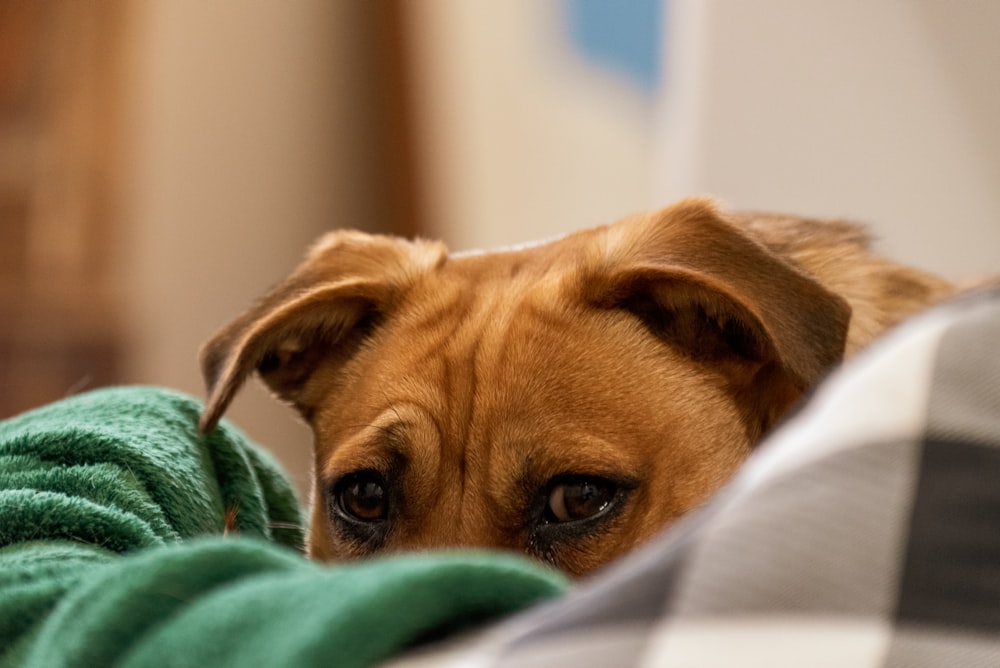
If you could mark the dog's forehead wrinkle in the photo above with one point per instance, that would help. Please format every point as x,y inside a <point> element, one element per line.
<point>465,364</point>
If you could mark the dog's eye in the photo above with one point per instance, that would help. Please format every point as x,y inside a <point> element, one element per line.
<point>362,497</point>
<point>575,499</point>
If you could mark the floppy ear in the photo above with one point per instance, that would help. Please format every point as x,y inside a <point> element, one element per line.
<point>348,281</point>
<point>707,287</point>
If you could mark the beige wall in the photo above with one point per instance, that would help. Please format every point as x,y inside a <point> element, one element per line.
<point>245,142</point>
<point>885,112</point>
<point>518,140</point>
<point>880,111</point>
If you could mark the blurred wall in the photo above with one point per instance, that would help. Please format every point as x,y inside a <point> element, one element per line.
<point>884,112</point>
<point>59,94</point>
<point>249,133</point>
<point>517,138</point>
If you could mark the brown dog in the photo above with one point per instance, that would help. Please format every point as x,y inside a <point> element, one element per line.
<point>567,400</point>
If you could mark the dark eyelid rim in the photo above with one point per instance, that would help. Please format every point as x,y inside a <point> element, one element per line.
<point>545,538</point>
<point>622,481</point>
<point>624,486</point>
<point>388,460</point>
<point>337,488</point>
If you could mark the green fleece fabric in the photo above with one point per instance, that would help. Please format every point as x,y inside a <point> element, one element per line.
<point>112,507</point>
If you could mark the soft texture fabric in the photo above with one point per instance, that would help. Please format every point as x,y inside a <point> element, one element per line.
<point>864,533</point>
<point>111,506</point>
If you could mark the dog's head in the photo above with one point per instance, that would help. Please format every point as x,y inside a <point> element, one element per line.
<point>566,400</point>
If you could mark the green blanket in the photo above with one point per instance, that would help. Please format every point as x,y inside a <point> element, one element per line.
<point>112,507</point>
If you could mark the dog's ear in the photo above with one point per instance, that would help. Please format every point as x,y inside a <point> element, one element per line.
<point>348,281</point>
<point>706,286</point>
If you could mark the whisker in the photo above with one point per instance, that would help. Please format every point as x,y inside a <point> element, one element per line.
<point>285,525</point>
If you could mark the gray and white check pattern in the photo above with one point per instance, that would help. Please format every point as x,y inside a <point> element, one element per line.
<point>864,532</point>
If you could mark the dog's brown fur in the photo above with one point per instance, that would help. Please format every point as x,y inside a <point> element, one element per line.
<point>649,356</point>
